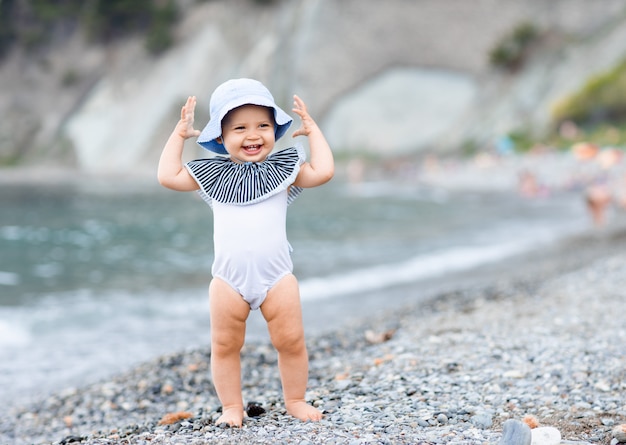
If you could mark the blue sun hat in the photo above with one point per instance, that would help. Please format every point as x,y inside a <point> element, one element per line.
<point>230,95</point>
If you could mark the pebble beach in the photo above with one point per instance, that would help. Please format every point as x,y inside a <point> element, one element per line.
<point>541,336</point>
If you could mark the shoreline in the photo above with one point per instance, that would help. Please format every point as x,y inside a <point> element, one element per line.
<point>459,362</point>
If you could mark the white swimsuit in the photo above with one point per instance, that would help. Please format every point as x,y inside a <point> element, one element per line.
<point>249,203</point>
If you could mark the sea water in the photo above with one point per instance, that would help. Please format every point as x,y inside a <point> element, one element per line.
<point>94,279</point>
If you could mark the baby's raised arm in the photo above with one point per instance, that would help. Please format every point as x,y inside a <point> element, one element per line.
<point>321,167</point>
<point>171,172</point>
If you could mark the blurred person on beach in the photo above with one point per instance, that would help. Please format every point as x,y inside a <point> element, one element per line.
<point>598,198</point>
<point>529,186</point>
<point>249,190</point>
<point>602,189</point>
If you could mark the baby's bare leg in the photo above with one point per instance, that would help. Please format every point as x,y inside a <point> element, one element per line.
<point>283,314</point>
<point>228,328</point>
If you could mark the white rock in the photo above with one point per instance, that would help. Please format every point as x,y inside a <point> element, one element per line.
<point>545,435</point>
<point>513,374</point>
<point>602,386</point>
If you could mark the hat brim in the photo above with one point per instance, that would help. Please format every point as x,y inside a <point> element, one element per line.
<point>213,129</point>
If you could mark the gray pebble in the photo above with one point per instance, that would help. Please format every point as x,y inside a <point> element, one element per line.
<point>482,421</point>
<point>619,433</point>
<point>423,423</point>
<point>515,432</point>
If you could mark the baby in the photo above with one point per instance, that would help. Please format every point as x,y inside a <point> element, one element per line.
<point>249,191</point>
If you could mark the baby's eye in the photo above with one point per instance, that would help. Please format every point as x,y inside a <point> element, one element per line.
<point>265,125</point>
<point>239,127</point>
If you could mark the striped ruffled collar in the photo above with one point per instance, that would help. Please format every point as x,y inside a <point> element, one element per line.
<point>229,182</point>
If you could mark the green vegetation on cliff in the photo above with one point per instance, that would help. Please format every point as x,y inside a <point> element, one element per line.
<point>32,24</point>
<point>601,99</point>
<point>596,112</point>
<point>512,50</point>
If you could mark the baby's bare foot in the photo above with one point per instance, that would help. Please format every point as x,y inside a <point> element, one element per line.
<point>303,411</point>
<point>232,417</point>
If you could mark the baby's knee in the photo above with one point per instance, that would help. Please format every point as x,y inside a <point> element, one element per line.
<point>226,345</point>
<point>289,344</point>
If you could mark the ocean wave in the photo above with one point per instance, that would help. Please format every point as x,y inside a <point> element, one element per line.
<point>417,268</point>
<point>9,279</point>
<point>13,335</point>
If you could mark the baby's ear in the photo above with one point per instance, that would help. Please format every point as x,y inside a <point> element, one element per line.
<point>219,140</point>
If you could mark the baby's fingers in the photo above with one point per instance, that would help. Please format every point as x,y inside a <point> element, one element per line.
<point>189,108</point>
<point>187,118</point>
<point>299,106</point>
<point>298,132</point>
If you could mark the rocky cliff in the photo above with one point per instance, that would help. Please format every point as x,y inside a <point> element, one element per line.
<point>386,77</point>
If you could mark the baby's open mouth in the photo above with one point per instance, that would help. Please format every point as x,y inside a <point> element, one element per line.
<point>252,147</point>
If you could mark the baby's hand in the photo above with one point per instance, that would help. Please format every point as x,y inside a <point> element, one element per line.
<point>185,125</point>
<point>308,124</point>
